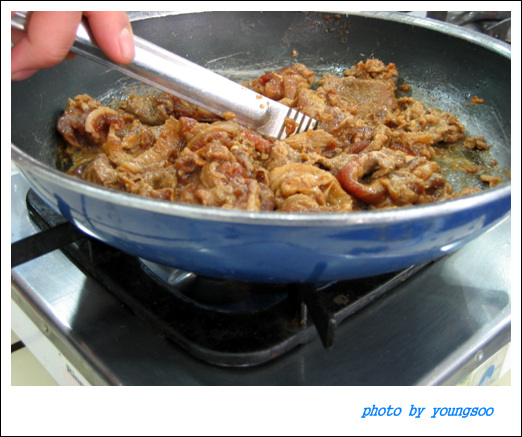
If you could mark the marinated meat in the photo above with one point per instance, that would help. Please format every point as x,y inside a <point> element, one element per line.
<point>306,188</point>
<point>101,172</point>
<point>386,178</point>
<point>283,85</point>
<point>155,109</point>
<point>475,143</point>
<point>220,166</point>
<point>372,151</point>
<point>72,123</point>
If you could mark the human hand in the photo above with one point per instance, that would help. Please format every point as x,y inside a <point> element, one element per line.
<point>50,36</point>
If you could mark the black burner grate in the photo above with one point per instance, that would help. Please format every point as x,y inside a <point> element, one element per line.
<point>227,323</point>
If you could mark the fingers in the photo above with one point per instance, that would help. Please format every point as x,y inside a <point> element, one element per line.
<point>50,35</point>
<point>113,34</point>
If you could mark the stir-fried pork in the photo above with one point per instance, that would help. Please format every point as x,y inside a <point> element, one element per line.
<point>372,151</point>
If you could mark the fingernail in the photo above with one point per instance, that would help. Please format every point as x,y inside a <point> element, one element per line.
<point>126,45</point>
<point>22,74</point>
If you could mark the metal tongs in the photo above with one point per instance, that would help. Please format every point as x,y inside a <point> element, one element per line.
<point>173,74</point>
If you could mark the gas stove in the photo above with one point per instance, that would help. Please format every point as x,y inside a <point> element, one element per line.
<point>94,315</point>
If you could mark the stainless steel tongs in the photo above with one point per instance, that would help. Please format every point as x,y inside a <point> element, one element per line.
<point>173,74</point>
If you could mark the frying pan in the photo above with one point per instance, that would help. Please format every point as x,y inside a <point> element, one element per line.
<point>443,64</point>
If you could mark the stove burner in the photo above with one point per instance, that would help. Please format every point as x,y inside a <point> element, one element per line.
<point>217,294</point>
<point>223,322</point>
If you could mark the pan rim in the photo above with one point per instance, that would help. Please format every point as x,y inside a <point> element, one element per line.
<point>267,218</point>
<point>487,41</point>
<point>484,40</point>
